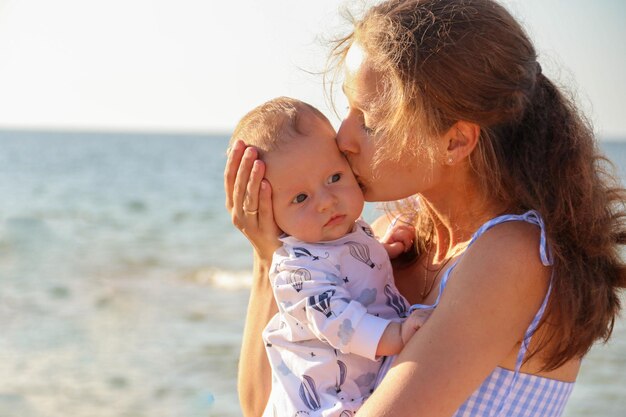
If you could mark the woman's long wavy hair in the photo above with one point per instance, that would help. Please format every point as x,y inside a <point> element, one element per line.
<point>441,61</point>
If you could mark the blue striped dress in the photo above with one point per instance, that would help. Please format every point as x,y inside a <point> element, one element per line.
<point>507,392</point>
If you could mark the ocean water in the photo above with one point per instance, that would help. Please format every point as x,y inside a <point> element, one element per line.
<point>123,285</point>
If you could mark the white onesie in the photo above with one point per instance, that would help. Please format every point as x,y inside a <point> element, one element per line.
<point>335,299</point>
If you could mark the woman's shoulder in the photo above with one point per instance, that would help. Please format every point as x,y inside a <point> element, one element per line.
<point>496,288</point>
<point>510,235</point>
<point>511,243</point>
<point>508,255</point>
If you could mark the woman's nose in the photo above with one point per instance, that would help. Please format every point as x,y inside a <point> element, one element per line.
<point>347,137</point>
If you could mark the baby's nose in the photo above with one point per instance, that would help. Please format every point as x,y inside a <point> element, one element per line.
<point>326,200</point>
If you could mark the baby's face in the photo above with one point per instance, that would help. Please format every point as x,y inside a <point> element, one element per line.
<point>314,193</point>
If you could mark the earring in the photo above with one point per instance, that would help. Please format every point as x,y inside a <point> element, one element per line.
<point>449,161</point>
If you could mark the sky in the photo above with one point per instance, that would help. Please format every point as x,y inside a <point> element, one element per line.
<point>199,65</point>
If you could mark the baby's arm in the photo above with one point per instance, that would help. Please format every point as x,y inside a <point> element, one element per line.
<point>396,335</point>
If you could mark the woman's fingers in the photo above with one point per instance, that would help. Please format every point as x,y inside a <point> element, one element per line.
<point>266,213</point>
<point>267,224</point>
<point>251,198</point>
<point>265,200</point>
<point>241,181</point>
<point>235,154</point>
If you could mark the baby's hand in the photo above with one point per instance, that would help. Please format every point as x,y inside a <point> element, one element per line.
<point>412,325</point>
<point>398,239</point>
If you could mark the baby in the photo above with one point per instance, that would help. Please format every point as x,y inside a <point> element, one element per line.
<point>339,310</point>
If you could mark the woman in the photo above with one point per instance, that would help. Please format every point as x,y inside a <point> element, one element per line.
<point>518,224</point>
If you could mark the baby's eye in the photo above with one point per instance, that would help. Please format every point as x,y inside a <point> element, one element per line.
<point>299,198</point>
<point>367,130</point>
<point>334,178</point>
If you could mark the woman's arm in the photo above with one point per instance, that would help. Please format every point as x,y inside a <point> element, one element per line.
<point>254,376</point>
<point>490,300</point>
<point>248,199</point>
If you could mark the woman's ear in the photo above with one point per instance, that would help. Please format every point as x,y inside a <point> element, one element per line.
<point>462,138</point>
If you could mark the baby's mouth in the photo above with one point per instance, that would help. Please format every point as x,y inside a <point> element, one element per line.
<point>334,219</point>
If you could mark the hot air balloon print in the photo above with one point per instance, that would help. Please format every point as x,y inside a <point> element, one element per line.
<point>394,301</point>
<point>308,393</point>
<point>343,371</point>
<point>334,279</point>
<point>368,231</point>
<point>300,252</point>
<point>297,278</point>
<point>361,253</point>
<point>321,302</point>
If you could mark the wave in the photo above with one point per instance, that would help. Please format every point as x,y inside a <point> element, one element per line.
<point>222,279</point>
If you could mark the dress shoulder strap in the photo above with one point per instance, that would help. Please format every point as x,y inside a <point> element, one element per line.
<point>531,216</point>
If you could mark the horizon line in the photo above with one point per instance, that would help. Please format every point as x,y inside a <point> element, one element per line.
<point>116,130</point>
<point>610,137</point>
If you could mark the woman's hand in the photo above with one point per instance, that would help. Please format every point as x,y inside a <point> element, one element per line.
<point>249,199</point>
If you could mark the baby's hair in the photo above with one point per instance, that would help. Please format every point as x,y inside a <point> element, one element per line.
<point>274,123</point>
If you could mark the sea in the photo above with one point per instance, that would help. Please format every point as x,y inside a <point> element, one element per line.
<point>124,286</point>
